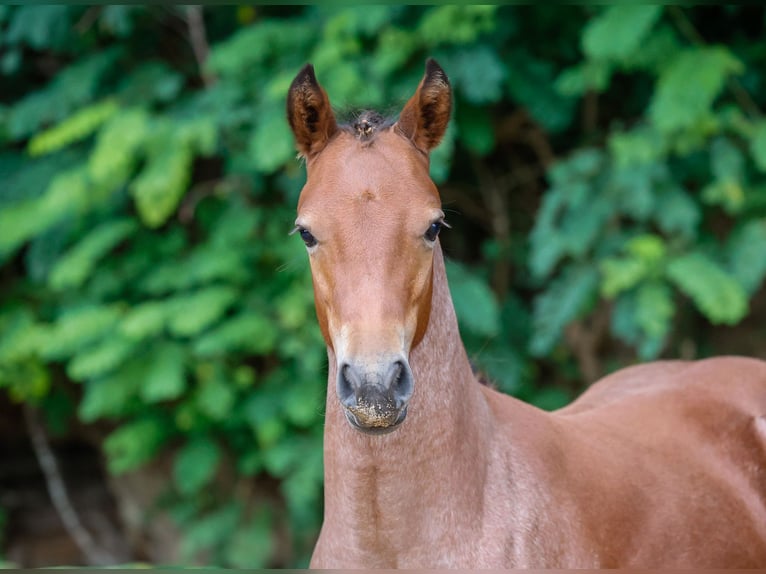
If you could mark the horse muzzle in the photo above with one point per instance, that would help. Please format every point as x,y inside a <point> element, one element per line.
<point>375,400</point>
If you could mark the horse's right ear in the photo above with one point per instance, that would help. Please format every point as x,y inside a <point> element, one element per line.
<point>309,113</point>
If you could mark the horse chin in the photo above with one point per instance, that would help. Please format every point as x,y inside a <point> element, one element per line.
<point>378,427</point>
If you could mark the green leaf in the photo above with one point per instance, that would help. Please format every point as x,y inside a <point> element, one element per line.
<point>456,24</point>
<point>20,336</point>
<point>248,332</point>
<point>477,73</point>
<point>746,254</point>
<point>589,75</point>
<point>272,143</point>
<point>714,291</point>
<point>79,327</point>
<point>66,194</point>
<point>197,311</point>
<point>196,464</point>
<point>134,444</point>
<point>73,129</point>
<point>395,47</point>
<point>583,224</point>
<point>74,268</point>
<point>621,274</point>
<point>648,248</point>
<point>681,104</point>
<point>565,300</point>
<point>654,301</point>
<point>676,212</point>
<point>303,404</point>
<point>639,146</point>
<point>441,157</point>
<point>152,80</point>
<point>100,358</point>
<point>758,145</point>
<point>160,186</point>
<point>205,264</point>
<point>215,398</point>
<point>164,379</point>
<point>145,319</point>
<point>642,318</point>
<point>39,27</point>
<point>118,145</point>
<point>547,247</point>
<point>71,88</point>
<point>475,304</point>
<point>728,166</point>
<point>634,186</point>
<point>110,396</point>
<point>619,31</point>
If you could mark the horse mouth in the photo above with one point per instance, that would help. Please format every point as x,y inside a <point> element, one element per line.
<point>373,421</point>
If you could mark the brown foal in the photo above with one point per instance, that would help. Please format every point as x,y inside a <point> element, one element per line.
<point>658,465</point>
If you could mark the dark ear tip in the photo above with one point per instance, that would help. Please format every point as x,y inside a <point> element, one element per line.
<point>435,72</point>
<point>305,76</point>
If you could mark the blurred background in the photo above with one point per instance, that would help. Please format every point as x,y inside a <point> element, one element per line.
<point>162,378</point>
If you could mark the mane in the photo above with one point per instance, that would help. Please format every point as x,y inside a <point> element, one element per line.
<point>365,125</point>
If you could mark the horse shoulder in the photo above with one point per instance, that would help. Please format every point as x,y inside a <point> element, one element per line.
<point>665,445</point>
<point>645,452</point>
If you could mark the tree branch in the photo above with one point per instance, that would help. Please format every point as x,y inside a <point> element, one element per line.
<point>198,38</point>
<point>57,490</point>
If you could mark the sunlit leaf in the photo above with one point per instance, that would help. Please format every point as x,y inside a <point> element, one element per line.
<point>714,291</point>
<point>73,129</point>
<point>679,103</point>
<point>165,377</point>
<point>619,30</point>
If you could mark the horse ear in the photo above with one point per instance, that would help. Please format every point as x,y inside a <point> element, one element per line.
<point>309,113</point>
<point>425,117</point>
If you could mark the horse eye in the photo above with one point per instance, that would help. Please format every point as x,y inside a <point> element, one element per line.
<point>308,239</point>
<point>433,231</point>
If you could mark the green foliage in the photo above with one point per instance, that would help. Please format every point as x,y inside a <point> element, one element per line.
<point>563,302</point>
<point>607,161</point>
<point>196,464</point>
<point>618,31</point>
<point>715,292</point>
<point>656,239</point>
<point>680,104</point>
<point>474,303</point>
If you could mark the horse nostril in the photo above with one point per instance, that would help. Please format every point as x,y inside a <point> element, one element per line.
<point>348,381</point>
<point>400,382</point>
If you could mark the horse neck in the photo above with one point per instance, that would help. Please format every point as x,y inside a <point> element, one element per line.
<point>441,442</point>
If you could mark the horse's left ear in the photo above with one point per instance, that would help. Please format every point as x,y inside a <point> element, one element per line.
<point>309,113</point>
<point>425,117</point>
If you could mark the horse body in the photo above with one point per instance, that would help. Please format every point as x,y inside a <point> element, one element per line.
<point>660,465</point>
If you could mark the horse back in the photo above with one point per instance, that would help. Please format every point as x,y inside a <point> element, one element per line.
<point>667,463</point>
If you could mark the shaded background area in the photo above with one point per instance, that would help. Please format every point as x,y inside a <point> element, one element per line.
<point>162,377</point>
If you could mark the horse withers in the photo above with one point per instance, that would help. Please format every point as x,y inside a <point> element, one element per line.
<point>657,465</point>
